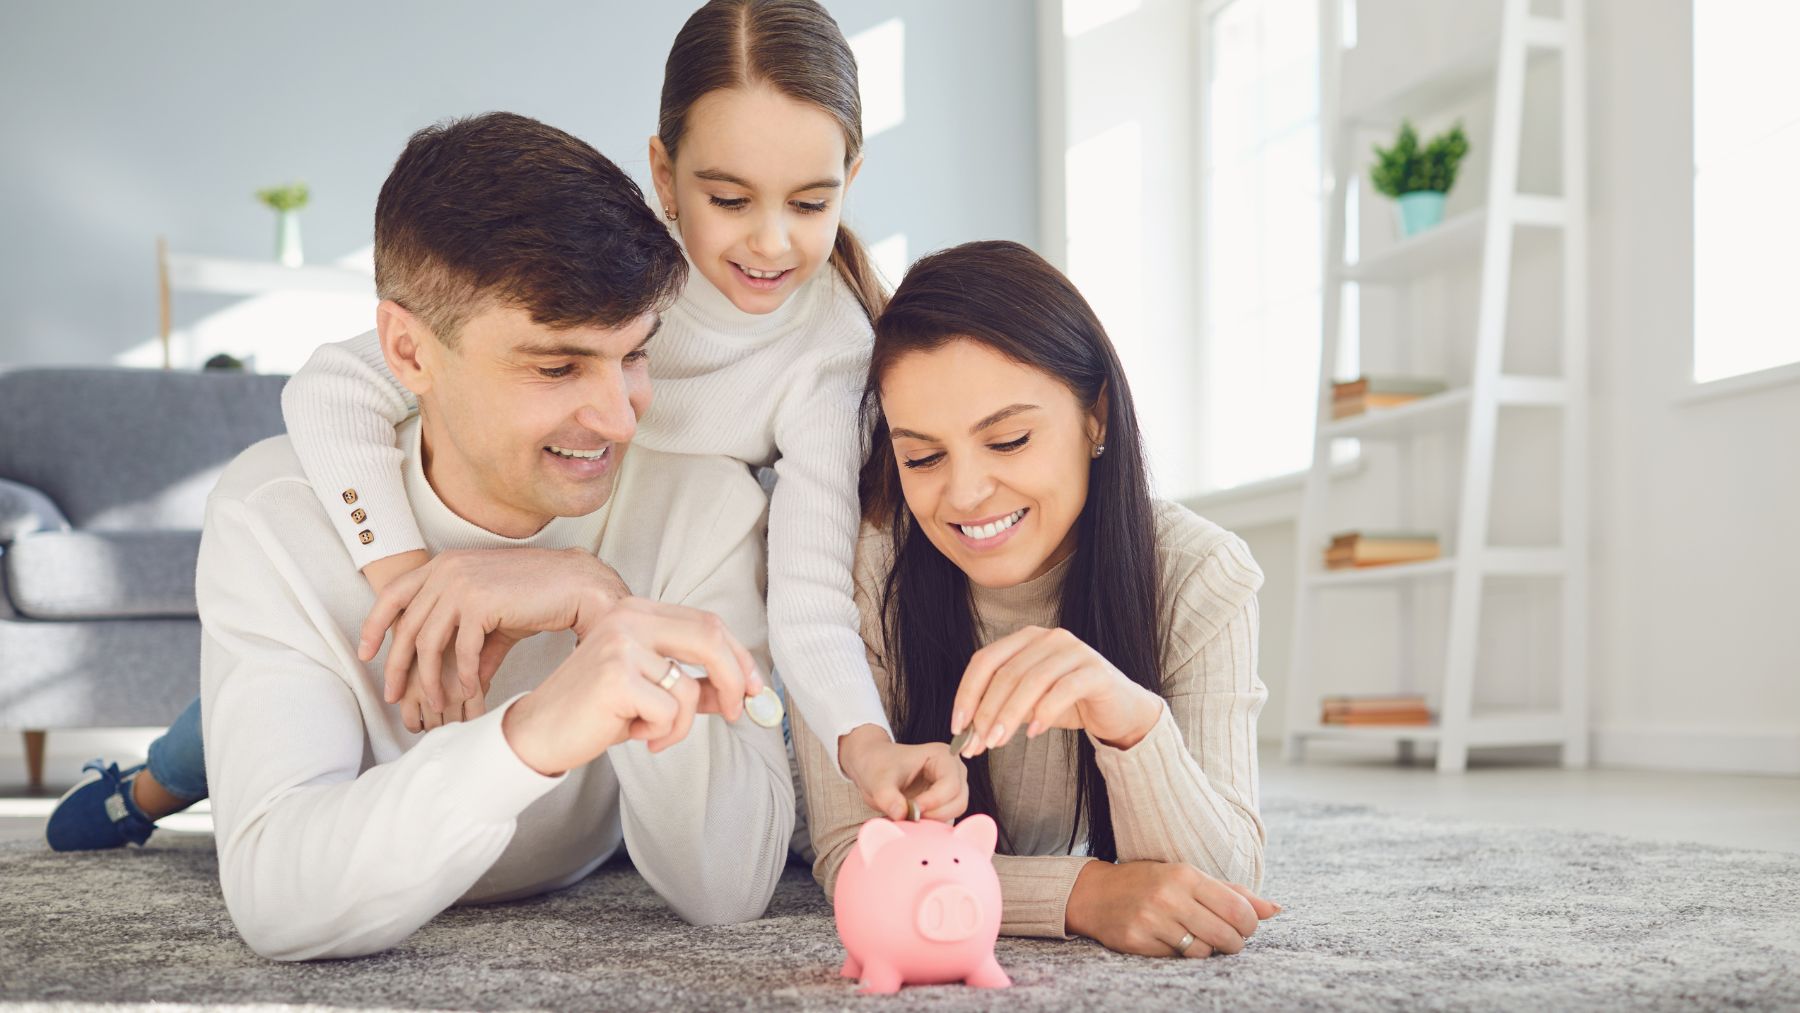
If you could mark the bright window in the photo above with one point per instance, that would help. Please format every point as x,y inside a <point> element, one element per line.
<point>1261,240</point>
<point>1746,204</point>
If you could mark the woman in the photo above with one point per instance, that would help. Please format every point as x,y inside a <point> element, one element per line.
<point>1016,579</point>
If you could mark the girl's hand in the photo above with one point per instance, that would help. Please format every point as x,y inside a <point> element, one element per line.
<point>889,775</point>
<point>472,606</point>
<point>418,713</point>
<point>1149,908</point>
<point>1036,679</point>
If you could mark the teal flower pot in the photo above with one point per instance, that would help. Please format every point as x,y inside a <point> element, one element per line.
<point>1420,210</point>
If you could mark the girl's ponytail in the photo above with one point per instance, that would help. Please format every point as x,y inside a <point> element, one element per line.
<point>851,260</point>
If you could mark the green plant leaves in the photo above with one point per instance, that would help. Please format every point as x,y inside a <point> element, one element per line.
<point>1405,168</point>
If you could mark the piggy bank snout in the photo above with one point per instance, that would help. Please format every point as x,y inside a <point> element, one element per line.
<point>948,914</point>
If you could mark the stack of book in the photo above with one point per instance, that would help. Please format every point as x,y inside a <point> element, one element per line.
<point>1401,709</point>
<point>1353,397</point>
<point>1379,548</point>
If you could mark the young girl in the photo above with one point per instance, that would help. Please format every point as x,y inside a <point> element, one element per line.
<point>1017,580</point>
<point>762,359</point>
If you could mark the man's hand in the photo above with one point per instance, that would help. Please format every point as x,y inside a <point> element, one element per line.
<point>888,774</point>
<point>617,686</point>
<point>473,605</point>
<point>1149,907</point>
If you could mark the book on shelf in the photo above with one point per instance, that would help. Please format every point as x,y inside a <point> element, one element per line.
<point>1352,549</point>
<point>1354,397</point>
<point>1392,709</point>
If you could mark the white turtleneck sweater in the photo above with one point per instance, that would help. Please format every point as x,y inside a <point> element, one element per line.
<point>339,832</point>
<point>779,389</point>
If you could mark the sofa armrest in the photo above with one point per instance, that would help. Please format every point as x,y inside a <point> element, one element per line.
<point>24,510</point>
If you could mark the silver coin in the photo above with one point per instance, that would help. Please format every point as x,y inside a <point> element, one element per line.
<point>961,741</point>
<point>765,708</point>
<point>912,810</point>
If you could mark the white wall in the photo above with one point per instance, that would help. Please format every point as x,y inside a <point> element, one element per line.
<point>1695,656</point>
<point>123,121</point>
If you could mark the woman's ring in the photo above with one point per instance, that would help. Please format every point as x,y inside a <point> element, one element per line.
<point>1187,940</point>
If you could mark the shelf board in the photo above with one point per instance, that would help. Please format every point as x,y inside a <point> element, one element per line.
<point>1434,413</point>
<point>1455,239</point>
<point>1500,728</point>
<point>1389,574</point>
<point>1427,414</point>
<point>226,276</point>
<point>1493,561</point>
<point>1454,80</point>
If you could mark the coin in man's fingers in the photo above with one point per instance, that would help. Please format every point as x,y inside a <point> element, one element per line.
<point>764,708</point>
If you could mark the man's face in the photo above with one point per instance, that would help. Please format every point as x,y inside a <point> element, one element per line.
<point>524,422</point>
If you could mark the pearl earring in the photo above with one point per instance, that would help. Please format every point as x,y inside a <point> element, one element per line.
<point>1099,449</point>
<point>668,214</point>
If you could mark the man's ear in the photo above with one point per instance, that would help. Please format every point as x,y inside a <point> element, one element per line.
<point>662,176</point>
<point>407,344</point>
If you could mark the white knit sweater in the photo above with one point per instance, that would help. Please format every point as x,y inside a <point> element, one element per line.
<point>779,389</point>
<point>340,832</point>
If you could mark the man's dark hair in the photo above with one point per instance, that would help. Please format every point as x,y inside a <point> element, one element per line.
<point>502,209</point>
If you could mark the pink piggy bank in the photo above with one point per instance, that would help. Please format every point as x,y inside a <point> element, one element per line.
<point>918,903</point>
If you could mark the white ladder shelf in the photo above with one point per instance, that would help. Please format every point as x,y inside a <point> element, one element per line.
<point>1487,234</point>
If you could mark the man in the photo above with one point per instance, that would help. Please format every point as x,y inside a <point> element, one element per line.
<point>521,274</point>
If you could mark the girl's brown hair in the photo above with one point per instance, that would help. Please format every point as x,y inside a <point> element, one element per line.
<point>796,48</point>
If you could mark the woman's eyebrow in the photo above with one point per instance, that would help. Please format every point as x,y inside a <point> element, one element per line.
<point>721,176</point>
<point>996,418</point>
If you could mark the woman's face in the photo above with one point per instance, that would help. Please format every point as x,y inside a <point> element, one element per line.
<point>993,458</point>
<point>758,188</point>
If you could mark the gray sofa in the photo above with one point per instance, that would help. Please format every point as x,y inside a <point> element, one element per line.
<point>103,481</point>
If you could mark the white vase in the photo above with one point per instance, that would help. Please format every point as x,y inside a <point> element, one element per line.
<point>287,239</point>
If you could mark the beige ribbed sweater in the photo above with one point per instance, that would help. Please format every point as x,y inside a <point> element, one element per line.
<point>1186,793</point>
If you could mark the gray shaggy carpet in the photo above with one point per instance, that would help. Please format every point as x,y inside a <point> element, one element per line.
<point>1383,912</point>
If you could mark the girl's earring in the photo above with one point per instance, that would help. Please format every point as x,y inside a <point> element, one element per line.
<point>668,214</point>
<point>1099,449</point>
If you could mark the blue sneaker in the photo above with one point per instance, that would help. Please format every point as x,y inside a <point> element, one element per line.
<point>98,813</point>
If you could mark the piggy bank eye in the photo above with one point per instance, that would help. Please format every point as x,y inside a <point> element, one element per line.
<point>923,861</point>
<point>958,861</point>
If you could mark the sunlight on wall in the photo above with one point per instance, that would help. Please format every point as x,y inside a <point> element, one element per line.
<point>1083,16</point>
<point>881,73</point>
<point>890,257</point>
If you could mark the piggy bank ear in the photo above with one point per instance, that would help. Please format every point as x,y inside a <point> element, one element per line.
<point>875,835</point>
<point>978,830</point>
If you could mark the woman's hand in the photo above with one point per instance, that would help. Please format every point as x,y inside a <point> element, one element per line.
<point>1149,908</point>
<point>468,608</point>
<point>889,775</point>
<point>1036,679</point>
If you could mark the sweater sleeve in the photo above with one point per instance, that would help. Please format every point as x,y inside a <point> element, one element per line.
<point>707,821</point>
<point>1034,890</point>
<point>319,857</point>
<point>341,409</point>
<point>1187,792</point>
<point>814,517</point>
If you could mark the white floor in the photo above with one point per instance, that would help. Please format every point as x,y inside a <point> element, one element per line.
<point>1723,809</point>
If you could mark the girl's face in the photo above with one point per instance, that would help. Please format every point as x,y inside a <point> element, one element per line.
<point>993,458</point>
<point>758,189</point>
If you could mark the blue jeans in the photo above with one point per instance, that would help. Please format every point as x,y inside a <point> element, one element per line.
<point>178,758</point>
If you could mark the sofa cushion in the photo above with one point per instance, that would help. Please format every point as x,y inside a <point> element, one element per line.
<point>24,510</point>
<point>130,449</point>
<point>102,574</point>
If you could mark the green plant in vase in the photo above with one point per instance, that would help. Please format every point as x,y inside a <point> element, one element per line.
<point>286,202</point>
<point>1419,178</point>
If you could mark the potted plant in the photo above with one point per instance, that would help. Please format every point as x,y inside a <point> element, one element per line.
<point>287,202</point>
<point>1419,179</point>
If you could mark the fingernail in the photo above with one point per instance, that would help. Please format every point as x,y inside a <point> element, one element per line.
<point>995,736</point>
<point>1278,907</point>
<point>957,720</point>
